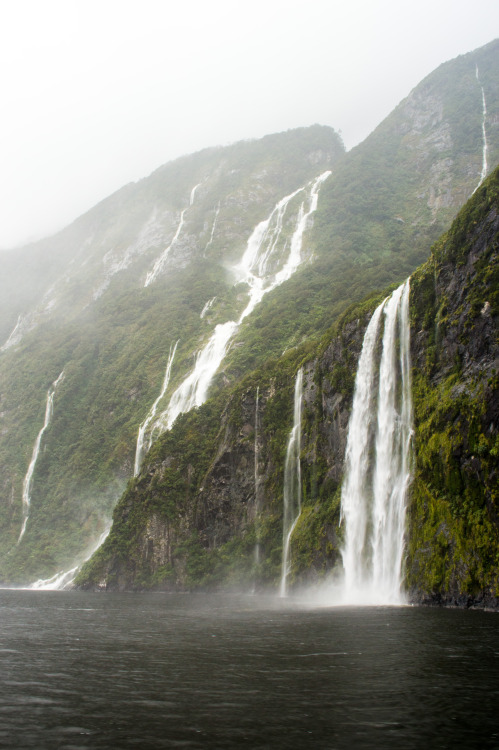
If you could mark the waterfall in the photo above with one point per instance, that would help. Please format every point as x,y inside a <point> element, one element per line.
<point>207,307</point>
<point>483,173</point>
<point>144,427</point>
<point>15,335</point>
<point>254,271</point>
<point>292,483</point>
<point>378,459</point>
<point>26,498</point>
<point>160,262</point>
<point>210,241</point>
<point>64,579</point>
<point>257,484</point>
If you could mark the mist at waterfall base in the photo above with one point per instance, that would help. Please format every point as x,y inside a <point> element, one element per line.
<point>82,670</point>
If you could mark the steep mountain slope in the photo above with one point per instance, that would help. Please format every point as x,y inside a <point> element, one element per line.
<point>156,264</point>
<point>207,508</point>
<point>144,264</point>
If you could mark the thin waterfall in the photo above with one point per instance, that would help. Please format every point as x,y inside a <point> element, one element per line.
<point>160,262</point>
<point>378,459</point>
<point>483,173</point>
<point>26,497</point>
<point>292,484</point>
<point>15,335</point>
<point>257,483</point>
<point>253,270</point>
<point>146,424</point>
<point>207,307</point>
<point>210,241</point>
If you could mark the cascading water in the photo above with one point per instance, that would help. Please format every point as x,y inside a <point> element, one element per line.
<point>160,262</point>
<point>483,173</point>
<point>146,424</point>
<point>257,483</point>
<point>253,270</point>
<point>15,335</point>
<point>292,484</point>
<point>378,460</point>
<point>26,499</point>
<point>207,307</point>
<point>210,241</point>
<point>64,579</point>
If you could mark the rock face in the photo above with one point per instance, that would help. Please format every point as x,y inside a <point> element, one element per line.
<point>219,525</point>
<point>158,268</point>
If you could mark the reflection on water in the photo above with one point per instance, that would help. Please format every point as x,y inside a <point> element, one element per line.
<point>82,670</point>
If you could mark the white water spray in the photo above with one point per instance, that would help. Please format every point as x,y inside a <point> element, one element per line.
<point>378,460</point>
<point>292,484</point>
<point>207,307</point>
<point>160,262</point>
<point>64,579</point>
<point>146,424</point>
<point>483,173</point>
<point>26,499</point>
<point>253,270</point>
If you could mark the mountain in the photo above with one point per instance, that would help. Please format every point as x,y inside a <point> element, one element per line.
<point>222,260</point>
<point>207,508</point>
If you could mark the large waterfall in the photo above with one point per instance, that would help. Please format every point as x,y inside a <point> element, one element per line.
<point>378,459</point>
<point>292,484</point>
<point>257,269</point>
<point>49,405</point>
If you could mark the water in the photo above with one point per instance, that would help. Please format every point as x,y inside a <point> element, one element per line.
<point>145,427</point>
<point>64,578</point>
<point>160,262</point>
<point>258,499</point>
<point>83,670</point>
<point>483,173</point>
<point>256,269</point>
<point>378,459</point>
<point>292,483</point>
<point>213,227</point>
<point>26,497</point>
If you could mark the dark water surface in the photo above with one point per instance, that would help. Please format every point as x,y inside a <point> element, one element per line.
<point>82,670</point>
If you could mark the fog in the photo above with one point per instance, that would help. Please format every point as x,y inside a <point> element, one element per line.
<point>98,94</point>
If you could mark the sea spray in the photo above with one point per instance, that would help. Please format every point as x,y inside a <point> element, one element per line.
<point>378,460</point>
<point>292,484</point>
<point>26,496</point>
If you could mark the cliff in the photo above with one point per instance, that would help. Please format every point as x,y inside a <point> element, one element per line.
<point>206,511</point>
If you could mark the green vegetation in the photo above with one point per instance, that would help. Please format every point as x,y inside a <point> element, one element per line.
<point>378,214</point>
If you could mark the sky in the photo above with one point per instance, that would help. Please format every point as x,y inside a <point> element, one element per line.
<point>98,93</point>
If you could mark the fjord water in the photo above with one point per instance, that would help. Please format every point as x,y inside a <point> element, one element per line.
<point>82,670</point>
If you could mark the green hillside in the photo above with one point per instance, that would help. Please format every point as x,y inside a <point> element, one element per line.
<point>93,314</point>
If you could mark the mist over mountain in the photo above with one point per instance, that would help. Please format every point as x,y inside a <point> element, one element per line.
<point>212,282</point>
